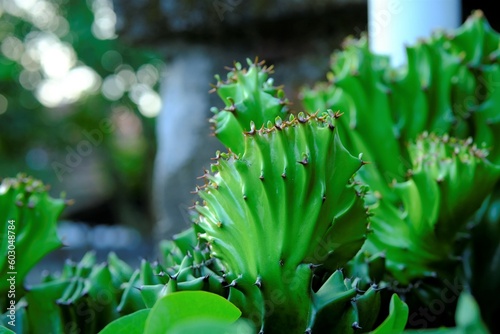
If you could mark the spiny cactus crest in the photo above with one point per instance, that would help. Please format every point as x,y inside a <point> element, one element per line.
<point>249,96</point>
<point>430,132</point>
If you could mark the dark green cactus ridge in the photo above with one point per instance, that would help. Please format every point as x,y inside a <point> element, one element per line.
<point>482,260</point>
<point>249,96</point>
<point>286,204</point>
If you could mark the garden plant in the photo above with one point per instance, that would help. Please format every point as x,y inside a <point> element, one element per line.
<point>374,207</point>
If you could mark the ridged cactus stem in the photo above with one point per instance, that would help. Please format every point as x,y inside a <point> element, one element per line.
<point>249,97</point>
<point>276,211</point>
<point>419,235</point>
<point>429,172</point>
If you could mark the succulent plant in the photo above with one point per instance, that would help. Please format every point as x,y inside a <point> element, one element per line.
<point>28,221</point>
<point>449,86</point>
<point>84,297</point>
<point>249,96</point>
<point>436,203</point>
<point>273,213</point>
<point>88,295</point>
<point>430,133</point>
<point>294,229</point>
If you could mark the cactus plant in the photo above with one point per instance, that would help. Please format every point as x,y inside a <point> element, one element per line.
<point>248,96</point>
<point>436,202</point>
<point>435,124</point>
<point>320,221</point>
<point>28,220</point>
<point>283,207</point>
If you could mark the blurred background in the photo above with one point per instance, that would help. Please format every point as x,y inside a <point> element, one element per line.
<point>107,101</point>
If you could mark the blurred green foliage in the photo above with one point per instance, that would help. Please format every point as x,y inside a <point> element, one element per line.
<point>76,99</point>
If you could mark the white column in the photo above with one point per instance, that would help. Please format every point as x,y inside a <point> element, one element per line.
<point>392,24</point>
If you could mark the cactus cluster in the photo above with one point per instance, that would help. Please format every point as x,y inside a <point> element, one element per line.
<point>84,297</point>
<point>430,132</point>
<point>417,236</point>
<point>350,216</point>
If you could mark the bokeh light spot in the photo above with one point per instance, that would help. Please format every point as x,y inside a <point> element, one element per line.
<point>111,59</point>
<point>113,87</point>
<point>68,89</point>
<point>12,48</point>
<point>37,158</point>
<point>4,103</point>
<point>150,104</point>
<point>148,74</point>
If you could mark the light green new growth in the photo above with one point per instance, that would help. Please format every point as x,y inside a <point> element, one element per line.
<point>249,96</point>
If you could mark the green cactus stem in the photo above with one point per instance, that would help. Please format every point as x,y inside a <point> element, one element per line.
<point>421,193</point>
<point>28,222</point>
<point>275,212</point>
<point>418,235</point>
<point>85,296</point>
<point>249,96</point>
<point>449,87</point>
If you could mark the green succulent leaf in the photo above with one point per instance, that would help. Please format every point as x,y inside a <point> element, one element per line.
<point>181,307</point>
<point>397,318</point>
<point>210,326</point>
<point>133,323</point>
<point>4,330</point>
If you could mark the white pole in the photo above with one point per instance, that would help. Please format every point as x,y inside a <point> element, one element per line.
<point>392,24</point>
